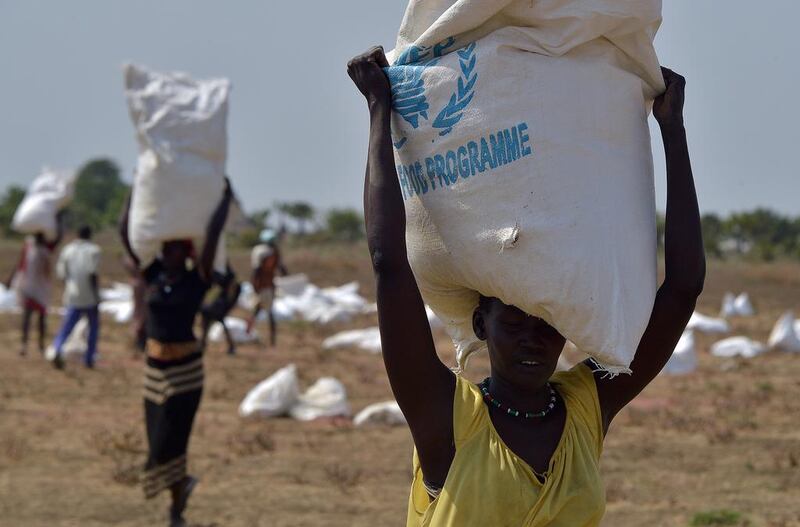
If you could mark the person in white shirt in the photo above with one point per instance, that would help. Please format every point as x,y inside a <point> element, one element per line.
<point>77,266</point>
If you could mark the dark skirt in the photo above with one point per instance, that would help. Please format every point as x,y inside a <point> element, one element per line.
<point>172,391</point>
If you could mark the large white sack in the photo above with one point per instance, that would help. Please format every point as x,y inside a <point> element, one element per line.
<point>705,324</point>
<point>783,336</point>
<point>737,347</point>
<point>273,396</point>
<point>50,192</point>
<point>325,398</point>
<point>237,327</point>
<point>386,413</point>
<point>519,129</point>
<point>684,356</point>
<point>181,130</point>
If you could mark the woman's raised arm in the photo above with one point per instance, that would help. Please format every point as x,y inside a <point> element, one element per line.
<point>422,384</point>
<point>685,263</point>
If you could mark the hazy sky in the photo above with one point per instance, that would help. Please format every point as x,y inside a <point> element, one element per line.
<point>298,127</point>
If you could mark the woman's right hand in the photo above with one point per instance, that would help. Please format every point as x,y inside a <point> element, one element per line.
<point>366,70</point>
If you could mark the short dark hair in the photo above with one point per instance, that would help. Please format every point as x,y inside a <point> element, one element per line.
<point>85,232</point>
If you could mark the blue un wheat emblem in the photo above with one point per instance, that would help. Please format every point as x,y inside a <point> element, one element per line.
<point>408,86</point>
<point>452,112</point>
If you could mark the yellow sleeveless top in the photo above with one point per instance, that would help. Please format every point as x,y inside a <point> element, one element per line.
<point>488,485</point>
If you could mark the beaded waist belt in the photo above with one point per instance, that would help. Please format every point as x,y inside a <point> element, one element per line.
<point>170,350</point>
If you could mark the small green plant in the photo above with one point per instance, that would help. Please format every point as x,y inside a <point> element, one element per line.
<point>718,517</point>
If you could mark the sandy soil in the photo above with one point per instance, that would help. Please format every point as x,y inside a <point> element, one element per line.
<point>71,443</point>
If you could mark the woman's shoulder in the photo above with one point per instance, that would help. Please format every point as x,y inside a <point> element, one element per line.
<point>578,389</point>
<point>468,409</point>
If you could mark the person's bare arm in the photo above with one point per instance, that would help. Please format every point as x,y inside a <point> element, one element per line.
<point>685,263</point>
<point>123,230</point>
<point>213,233</point>
<point>60,228</point>
<point>421,383</point>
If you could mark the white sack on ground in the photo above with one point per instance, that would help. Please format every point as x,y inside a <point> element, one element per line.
<point>237,327</point>
<point>386,413</point>
<point>50,192</point>
<point>117,302</point>
<point>320,306</point>
<point>784,337</point>
<point>737,347</point>
<point>273,396</point>
<point>705,324</point>
<point>736,306</point>
<point>684,357</point>
<point>76,345</point>
<point>515,147</point>
<point>181,129</point>
<point>366,339</point>
<point>325,398</point>
<point>743,306</point>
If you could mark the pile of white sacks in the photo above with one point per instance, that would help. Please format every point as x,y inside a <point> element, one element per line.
<point>296,299</point>
<point>785,336</point>
<point>279,395</point>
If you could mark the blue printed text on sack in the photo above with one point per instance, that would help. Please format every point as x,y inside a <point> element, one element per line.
<point>475,157</point>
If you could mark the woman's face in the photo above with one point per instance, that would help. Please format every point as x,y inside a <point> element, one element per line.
<point>174,255</point>
<point>523,349</point>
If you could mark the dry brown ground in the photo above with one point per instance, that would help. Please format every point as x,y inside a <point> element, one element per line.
<point>726,437</point>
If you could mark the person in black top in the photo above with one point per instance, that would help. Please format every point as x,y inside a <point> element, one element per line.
<point>176,282</point>
<point>223,303</point>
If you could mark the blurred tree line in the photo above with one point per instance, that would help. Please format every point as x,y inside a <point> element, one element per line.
<point>761,234</point>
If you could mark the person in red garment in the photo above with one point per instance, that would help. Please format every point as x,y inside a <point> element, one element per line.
<point>32,278</point>
<point>523,446</point>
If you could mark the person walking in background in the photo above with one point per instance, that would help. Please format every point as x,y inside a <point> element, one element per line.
<point>33,281</point>
<point>77,266</point>
<point>177,282</point>
<point>223,303</point>
<point>265,260</point>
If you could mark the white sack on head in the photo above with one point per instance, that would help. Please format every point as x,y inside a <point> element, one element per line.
<point>705,324</point>
<point>325,398</point>
<point>737,347</point>
<point>366,339</point>
<point>50,192</point>
<point>181,129</point>
<point>387,413</point>
<point>237,327</point>
<point>273,396</point>
<point>519,127</point>
<point>784,336</point>
<point>684,357</point>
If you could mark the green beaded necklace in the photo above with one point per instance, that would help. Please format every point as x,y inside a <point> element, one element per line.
<point>484,386</point>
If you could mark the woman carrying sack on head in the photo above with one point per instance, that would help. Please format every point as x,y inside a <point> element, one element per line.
<point>32,278</point>
<point>523,446</point>
<point>176,281</point>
